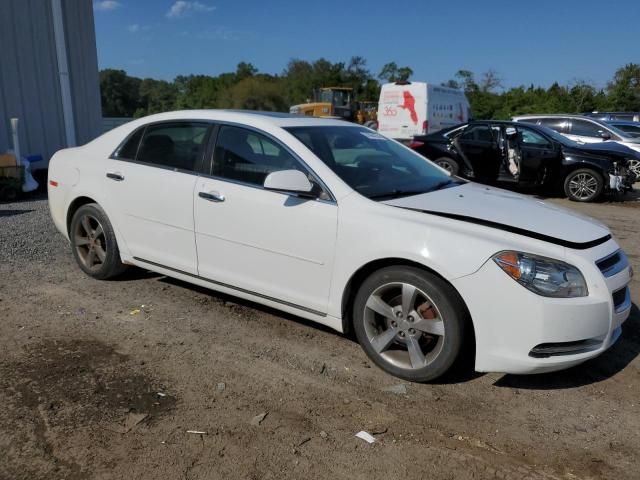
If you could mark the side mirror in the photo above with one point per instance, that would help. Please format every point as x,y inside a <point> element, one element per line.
<point>290,181</point>
<point>605,136</point>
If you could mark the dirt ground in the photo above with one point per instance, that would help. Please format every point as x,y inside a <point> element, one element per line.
<point>107,379</point>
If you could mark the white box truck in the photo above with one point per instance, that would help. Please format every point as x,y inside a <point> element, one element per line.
<point>407,109</point>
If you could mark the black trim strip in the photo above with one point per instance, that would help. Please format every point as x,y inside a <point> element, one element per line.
<point>226,285</point>
<point>517,231</point>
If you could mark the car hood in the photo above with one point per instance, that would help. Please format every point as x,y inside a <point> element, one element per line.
<point>613,150</point>
<point>512,212</point>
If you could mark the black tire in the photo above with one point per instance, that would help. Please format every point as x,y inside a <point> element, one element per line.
<point>94,244</point>
<point>446,311</point>
<point>449,164</point>
<point>583,185</point>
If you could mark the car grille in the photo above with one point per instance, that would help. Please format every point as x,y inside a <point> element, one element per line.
<point>613,264</point>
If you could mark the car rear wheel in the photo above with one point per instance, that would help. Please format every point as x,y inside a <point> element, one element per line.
<point>583,185</point>
<point>94,243</point>
<point>448,164</point>
<point>409,322</point>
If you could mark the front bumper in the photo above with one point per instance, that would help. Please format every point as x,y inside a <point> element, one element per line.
<point>520,332</point>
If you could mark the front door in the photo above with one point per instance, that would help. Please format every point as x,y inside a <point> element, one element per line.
<point>262,242</point>
<point>538,155</point>
<point>150,181</point>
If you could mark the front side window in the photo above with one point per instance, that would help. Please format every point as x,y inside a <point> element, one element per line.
<point>531,138</point>
<point>247,156</point>
<point>371,164</point>
<point>174,145</point>
<point>586,129</point>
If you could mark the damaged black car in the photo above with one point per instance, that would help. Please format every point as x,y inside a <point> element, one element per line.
<point>496,152</point>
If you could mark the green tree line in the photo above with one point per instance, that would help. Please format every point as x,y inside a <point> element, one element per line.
<point>246,88</point>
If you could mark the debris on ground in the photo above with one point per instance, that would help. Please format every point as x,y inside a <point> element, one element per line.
<point>366,436</point>
<point>257,420</point>
<point>197,432</point>
<point>129,422</point>
<point>399,389</point>
<point>135,311</point>
<point>221,386</point>
<point>323,434</point>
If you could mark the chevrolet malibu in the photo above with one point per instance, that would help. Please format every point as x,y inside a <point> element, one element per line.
<point>332,222</point>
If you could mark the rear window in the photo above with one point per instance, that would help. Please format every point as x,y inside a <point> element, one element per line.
<point>129,149</point>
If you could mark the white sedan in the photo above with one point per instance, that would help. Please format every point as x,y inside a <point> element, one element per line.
<point>332,222</point>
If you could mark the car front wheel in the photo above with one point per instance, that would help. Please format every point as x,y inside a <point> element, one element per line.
<point>94,244</point>
<point>409,322</point>
<point>583,185</point>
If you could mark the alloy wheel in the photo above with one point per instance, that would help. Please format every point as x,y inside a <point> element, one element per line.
<point>583,186</point>
<point>446,165</point>
<point>634,166</point>
<point>404,326</point>
<point>90,242</point>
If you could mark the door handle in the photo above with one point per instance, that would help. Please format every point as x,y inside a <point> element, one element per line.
<point>212,196</point>
<point>118,177</point>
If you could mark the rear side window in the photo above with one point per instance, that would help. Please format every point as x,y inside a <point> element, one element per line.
<point>173,145</point>
<point>557,124</point>
<point>478,133</point>
<point>129,149</point>
<point>247,156</point>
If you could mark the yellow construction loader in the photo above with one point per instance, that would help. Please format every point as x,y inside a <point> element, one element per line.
<point>338,102</point>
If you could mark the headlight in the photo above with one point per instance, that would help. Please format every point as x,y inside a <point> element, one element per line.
<point>541,275</point>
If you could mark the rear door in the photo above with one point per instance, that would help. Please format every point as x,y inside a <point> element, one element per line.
<point>150,181</point>
<point>479,149</point>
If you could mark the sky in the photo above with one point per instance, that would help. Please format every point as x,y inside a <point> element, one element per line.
<point>525,42</point>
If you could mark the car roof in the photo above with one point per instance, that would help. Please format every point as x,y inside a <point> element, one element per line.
<point>623,122</point>
<point>249,117</point>
<point>561,115</point>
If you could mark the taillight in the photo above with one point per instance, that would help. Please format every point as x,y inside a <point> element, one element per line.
<point>425,127</point>
<point>415,144</point>
<point>53,183</point>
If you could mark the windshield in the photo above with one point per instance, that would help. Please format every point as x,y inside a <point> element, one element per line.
<point>338,98</point>
<point>371,164</point>
<point>619,132</point>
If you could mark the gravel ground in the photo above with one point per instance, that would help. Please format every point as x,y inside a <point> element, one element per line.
<point>106,379</point>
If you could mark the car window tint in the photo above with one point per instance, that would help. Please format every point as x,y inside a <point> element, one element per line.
<point>478,133</point>
<point>175,145</point>
<point>529,137</point>
<point>557,124</point>
<point>129,149</point>
<point>585,128</point>
<point>622,116</point>
<point>247,156</point>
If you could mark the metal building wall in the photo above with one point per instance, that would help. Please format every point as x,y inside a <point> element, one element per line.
<point>29,82</point>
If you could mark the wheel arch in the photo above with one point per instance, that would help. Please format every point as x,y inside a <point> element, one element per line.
<point>73,208</point>
<point>367,269</point>
<point>602,167</point>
